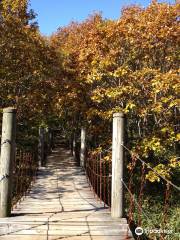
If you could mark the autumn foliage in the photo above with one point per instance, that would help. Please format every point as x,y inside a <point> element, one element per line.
<point>129,65</point>
<point>26,63</point>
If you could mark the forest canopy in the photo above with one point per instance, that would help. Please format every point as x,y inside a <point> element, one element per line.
<point>129,65</point>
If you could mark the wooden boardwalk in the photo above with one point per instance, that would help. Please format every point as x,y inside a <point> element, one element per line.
<point>61,205</point>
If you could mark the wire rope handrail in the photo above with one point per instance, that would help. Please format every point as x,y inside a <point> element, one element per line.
<point>148,166</point>
<point>100,177</point>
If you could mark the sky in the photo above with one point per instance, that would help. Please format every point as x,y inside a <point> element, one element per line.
<point>52,14</point>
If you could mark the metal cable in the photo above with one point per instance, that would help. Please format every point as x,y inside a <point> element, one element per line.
<point>23,173</point>
<point>99,175</point>
<point>168,181</point>
<point>106,150</point>
<point>3,177</point>
<point>6,141</point>
<point>136,201</point>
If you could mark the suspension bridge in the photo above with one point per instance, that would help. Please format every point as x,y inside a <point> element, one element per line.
<point>48,194</point>
<point>54,200</point>
<point>60,205</point>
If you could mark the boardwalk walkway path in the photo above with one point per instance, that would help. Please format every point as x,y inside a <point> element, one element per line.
<point>60,205</point>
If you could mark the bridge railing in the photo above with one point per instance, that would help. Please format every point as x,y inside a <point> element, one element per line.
<point>144,220</point>
<point>24,173</point>
<point>130,195</point>
<point>20,159</point>
<point>98,167</point>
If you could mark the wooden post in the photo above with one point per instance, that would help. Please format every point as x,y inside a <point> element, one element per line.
<point>41,147</point>
<point>71,144</point>
<point>7,160</point>
<point>83,146</point>
<point>74,145</point>
<point>48,140</point>
<point>117,197</point>
<point>52,139</point>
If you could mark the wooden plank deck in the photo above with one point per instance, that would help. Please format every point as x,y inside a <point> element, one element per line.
<point>61,205</point>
